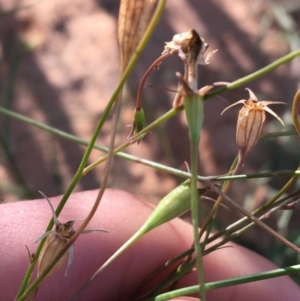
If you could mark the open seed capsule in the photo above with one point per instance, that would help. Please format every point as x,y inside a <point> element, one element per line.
<point>250,122</point>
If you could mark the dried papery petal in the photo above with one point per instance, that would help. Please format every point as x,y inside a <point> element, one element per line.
<point>250,122</point>
<point>252,96</point>
<point>181,42</point>
<point>206,61</point>
<point>204,90</point>
<point>134,16</point>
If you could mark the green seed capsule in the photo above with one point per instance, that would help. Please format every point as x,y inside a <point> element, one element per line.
<point>138,123</point>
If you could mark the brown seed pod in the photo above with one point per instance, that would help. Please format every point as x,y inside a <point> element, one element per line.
<point>55,242</point>
<point>250,122</point>
<point>134,16</point>
<point>52,246</point>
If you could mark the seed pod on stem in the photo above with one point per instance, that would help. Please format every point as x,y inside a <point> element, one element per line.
<point>134,16</point>
<point>55,242</point>
<point>250,122</point>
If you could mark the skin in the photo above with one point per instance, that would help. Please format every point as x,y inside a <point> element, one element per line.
<point>122,214</point>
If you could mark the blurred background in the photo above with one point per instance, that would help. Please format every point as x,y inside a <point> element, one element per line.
<point>59,66</point>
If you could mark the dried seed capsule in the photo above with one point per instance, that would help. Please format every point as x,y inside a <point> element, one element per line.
<point>55,242</point>
<point>250,121</point>
<point>134,16</point>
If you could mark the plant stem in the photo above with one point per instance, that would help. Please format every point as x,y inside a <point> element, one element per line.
<point>253,218</point>
<point>155,64</point>
<point>25,191</point>
<point>193,106</point>
<point>258,211</point>
<point>256,74</point>
<point>228,282</point>
<point>134,138</point>
<point>195,215</point>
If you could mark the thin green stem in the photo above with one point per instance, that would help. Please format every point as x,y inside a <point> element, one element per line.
<point>229,236</point>
<point>255,75</point>
<point>195,215</point>
<point>134,138</point>
<point>25,191</point>
<point>258,211</point>
<point>228,282</point>
<point>254,218</point>
<point>225,188</point>
<point>193,106</point>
